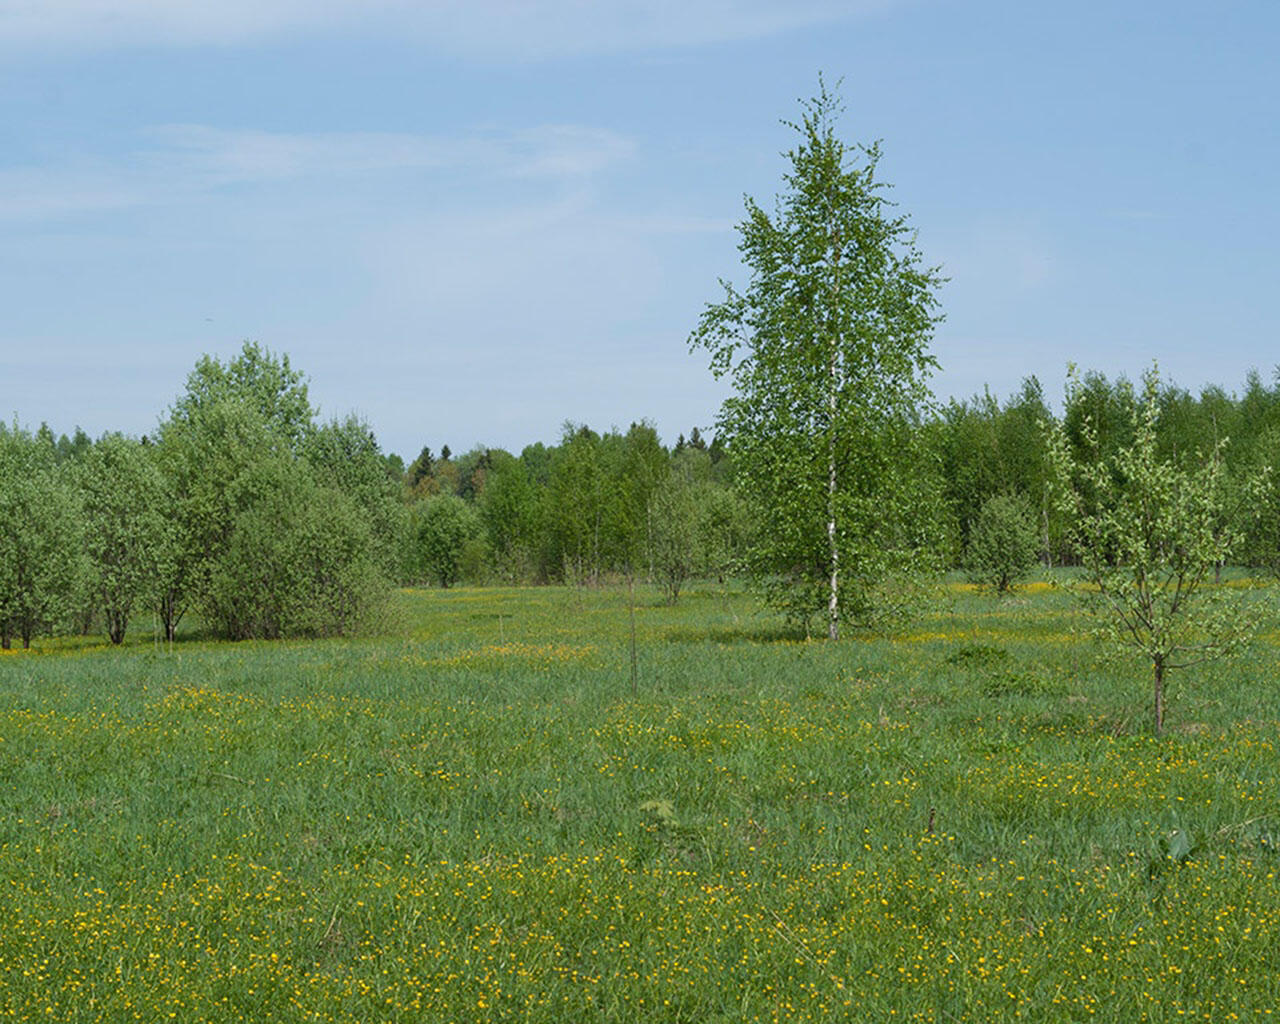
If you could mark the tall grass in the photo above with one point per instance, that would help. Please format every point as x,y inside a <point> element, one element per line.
<point>478,821</point>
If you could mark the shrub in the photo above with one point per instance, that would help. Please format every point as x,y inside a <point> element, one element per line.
<point>444,526</point>
<point>300,560</point>
<point>1002,543</point>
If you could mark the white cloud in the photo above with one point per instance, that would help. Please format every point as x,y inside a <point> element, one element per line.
<point>181,162</point>
<point>484,28</point>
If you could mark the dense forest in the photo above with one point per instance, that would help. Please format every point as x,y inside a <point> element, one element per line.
<point>246,512</point>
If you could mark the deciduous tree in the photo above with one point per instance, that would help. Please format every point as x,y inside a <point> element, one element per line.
<point>39,537</point>
<point>1002,543</point>
<point>828,350</point>
<point>127,533</point>
<point>1148,532</point>
<point>445,524</point>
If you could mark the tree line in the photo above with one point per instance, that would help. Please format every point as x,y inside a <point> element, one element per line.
<point>246,511</point>
<point>243,509</point>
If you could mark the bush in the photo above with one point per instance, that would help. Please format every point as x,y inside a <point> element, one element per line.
<point>1002,543</point>
<point>300,560</point>
<point>443,527</point>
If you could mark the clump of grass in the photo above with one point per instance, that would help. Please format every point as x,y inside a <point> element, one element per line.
<point>1019,683</point>
<point>978,655</point>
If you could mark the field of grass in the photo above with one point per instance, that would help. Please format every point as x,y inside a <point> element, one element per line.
<point>479,820</point>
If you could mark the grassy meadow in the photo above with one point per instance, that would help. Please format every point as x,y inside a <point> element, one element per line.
<point>480,820</point>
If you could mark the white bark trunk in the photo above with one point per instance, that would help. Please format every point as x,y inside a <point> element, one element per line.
<point>833,604</point>
<point>833,397</point>
<point>833,549</point>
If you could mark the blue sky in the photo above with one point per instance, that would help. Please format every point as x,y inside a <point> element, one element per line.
<point>471,220</point>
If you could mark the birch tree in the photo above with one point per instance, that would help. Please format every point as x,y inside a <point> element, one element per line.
<point>828,350</point>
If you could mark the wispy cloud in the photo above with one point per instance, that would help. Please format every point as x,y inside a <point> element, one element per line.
<point>502,28</point>
<point>232,156</point>
<point>178,162</point>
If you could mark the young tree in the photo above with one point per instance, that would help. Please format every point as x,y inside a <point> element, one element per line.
<point>39,537</point>
<point>201,455</point>
<point>282,527</point>
<point>230,416</point>
<point>582,506</point>
<point>828,350</point>
<point>676,542</point>
<point>126,529</point>
<point>511,514</point>
<point>1261,546</point>
<point>345,457</point>
<point>1002,543</point>
<point>1148,532</point>
<point>639,468</point>
<point>298,561</point>
<point>988,449</point>
<point>445,525</point>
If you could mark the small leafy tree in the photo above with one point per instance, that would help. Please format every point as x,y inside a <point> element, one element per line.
<point>230,416</point>
<point>201,457</point>
<point>583,508</point>
<point>1002,543</point>
<point>345,456</point>
<point>445,524</point>
<point>1148,533</point>
<point>282,528</point>
<point>511,514</point>
<point>676,548</point>
<point>1261,548</point>
<point>126,529</point>
<point>39,537</point>
<point>298,560</point>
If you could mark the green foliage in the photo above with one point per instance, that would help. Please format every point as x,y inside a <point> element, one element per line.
<point>346,458</point>
<point>1148,532</point>
<point>39,537</point>
<point>202,454</point>
<point>419,470</point>
<point>230,417</point>
<point>257,378</point>
<point>282,528</point>
<point>71,449</point>
<point>678,538</point>
<point>582,507</point>
<point>1002,543</point>
<point>443,527</point>
<point>512,517</point>
<point>128,537</point>
<point>827,350</point>
<point>298,561</point>
<point>697,527</point>
<point>640,466</point>
<point>1260,546</point>
<point>986,449</point>
<point>725,529</point>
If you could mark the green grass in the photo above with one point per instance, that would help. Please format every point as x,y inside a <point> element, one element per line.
<point>479,821</point>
